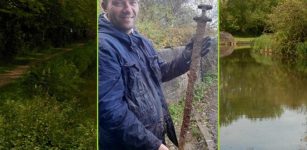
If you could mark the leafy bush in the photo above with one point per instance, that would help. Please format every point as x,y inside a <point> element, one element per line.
<point>60,76</point>
<point>163,36</point>
<point>28,25</point>
<point>301,49</point>
<point>245,17</point>
<point>44,123</point>
<point>83,56</point>
<point>265,42</point>
<point>45,109</point>
<point>167,23</point>
<point>176,111</point>
<point>288,20</point>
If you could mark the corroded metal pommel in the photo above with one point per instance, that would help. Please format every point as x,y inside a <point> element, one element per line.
<point>203,18</point>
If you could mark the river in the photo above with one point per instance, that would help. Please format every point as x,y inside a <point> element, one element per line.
<point>262,103</point>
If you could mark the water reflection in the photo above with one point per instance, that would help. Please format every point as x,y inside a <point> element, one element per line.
<point>259,93</point>
<point>284,133</point>
<point>226,50</point>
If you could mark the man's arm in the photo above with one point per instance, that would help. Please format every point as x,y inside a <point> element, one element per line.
<point>114,114</point>
<point>181,64</point>
<point>174,68</point>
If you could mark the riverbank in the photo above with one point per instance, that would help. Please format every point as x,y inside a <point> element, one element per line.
<point>244,42</point>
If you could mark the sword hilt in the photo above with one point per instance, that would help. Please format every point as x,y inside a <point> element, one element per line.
<point>203,18</point>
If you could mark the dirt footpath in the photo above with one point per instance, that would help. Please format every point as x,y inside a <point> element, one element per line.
<point>11,75</point>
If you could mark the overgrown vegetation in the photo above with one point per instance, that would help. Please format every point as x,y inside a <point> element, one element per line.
<point>200,103</point>
<point>60,76</point>
<point>283,24</point>
<point>165,37</point>
<point>264,42</point>
<point>245,17</point>
<point>34,25</point>
<point>167,23</point>
<point>45,110</point>
<point>176,109</point>
<point>288,21</point>
<point>301,49</point>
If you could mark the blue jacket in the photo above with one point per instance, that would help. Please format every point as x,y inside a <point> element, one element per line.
<point>133,113</point>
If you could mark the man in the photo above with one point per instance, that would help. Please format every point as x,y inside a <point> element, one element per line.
<point>133,113</point>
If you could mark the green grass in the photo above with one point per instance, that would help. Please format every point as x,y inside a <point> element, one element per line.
<point>176,111</point>
<point>39,120</point>
<point>27,58</point>
<point>210,79</point>
<point>265,41</point>
<point>245,39</point>
<point>243,47</point>
<point>195,130</point>
<point>89,93</point>
<point>6,68</point>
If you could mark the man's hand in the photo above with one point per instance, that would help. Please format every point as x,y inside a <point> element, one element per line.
<point>205,48</point>
<point>163,147</point>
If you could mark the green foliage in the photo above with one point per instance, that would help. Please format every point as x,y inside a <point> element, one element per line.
<point>35,24</point>
<point>159,22</point>
<point>44,123</point>
<point>199,92</point>
<point>264,42</point>
<point>301,65</point>
<point>45,109</point>
<point>195,130</point>
<point>166,36</point>
<point>176,111</point>
<point>301,49</point>
<point>245,17</point>
<point>209,79</point>
<point>60,76</point>
<point>288,20</point>
<point>53,80</point>
<point>83,56</point>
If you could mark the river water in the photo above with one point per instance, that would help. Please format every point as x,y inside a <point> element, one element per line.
<point>262,103</point>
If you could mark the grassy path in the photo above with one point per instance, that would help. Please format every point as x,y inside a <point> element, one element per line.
<point>9,76</point>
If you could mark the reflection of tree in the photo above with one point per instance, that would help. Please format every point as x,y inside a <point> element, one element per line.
<point>257,91</point>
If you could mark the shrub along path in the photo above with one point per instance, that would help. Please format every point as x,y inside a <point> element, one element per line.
<point>9,76</point>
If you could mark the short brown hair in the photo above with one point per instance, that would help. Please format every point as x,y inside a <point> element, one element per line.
<point>104,4</point>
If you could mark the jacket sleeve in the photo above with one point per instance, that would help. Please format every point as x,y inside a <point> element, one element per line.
<point>114,115</point>
<point>178,66</point>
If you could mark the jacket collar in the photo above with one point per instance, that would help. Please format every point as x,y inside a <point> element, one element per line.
<point>106,27</point>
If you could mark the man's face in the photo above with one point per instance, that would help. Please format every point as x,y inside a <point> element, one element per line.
<point>122,13</point>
